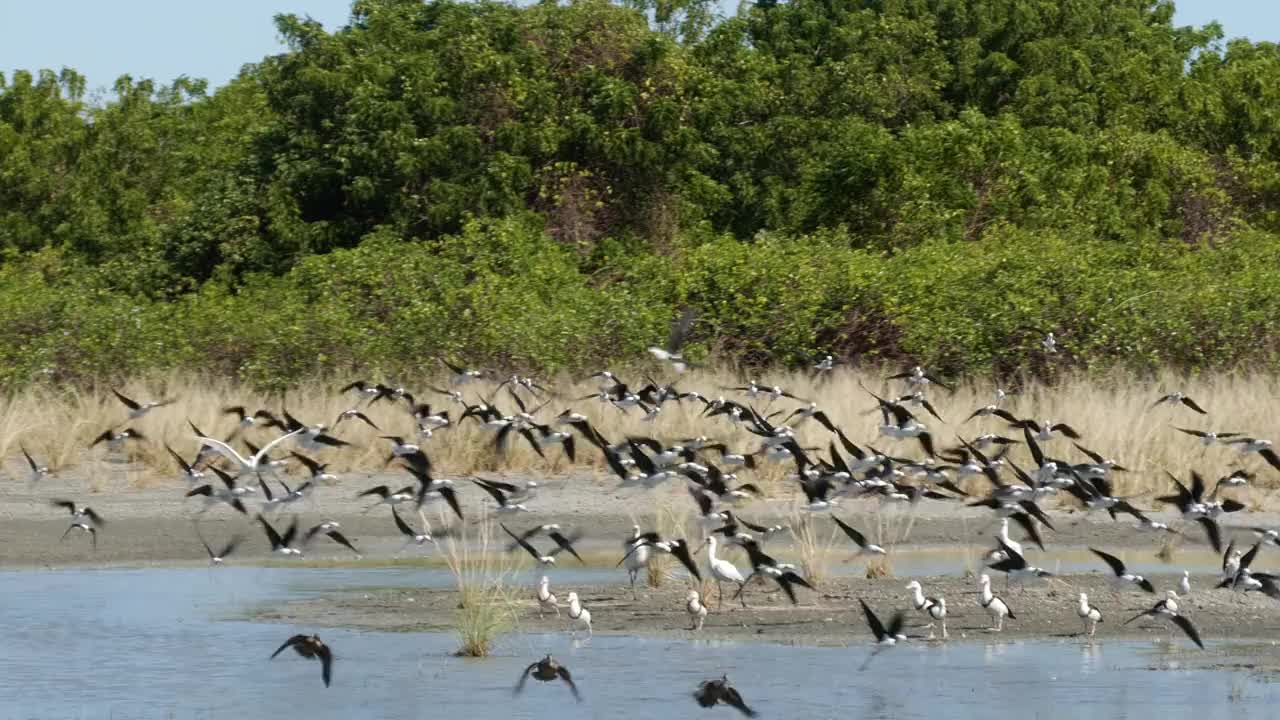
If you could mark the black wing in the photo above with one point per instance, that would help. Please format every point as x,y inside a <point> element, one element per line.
<point>342,540</point>
<point>131,404</point>
<point>287,643</point>
<point>1117,566</point>
<point>566,544</point>
<point>1029,527</point>
<point>1189,629</point>
<point>497,493</point>
<point>564,674</point>
<point>729,696</point>
<point>523,677</point>
<point>326,663</point>
<point>272,536</point>
<point>1212,532</point>
<point>877,628</point>
<point>853,534</point>
<point>1192,404</point>
<point>523,543</point>
<point>402,525</point>
<point>681,550</point>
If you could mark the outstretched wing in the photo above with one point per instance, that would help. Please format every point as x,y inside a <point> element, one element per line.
<point>877,628</point>
<point>326,663</point>
<point>1117,566</point>
<point>342,540</point>
<point>523,677</point>
<point>729,696</point>
<point>402,525</point>
<point>1189,629</point>
<point>566,544</point>
<point>681,550</point>
<point>853,534</point>
<point>563,672</point>
<point>522,543</point>
<point>291,641</point>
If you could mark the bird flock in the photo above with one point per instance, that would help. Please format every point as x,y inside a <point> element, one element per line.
<point>246,478</point>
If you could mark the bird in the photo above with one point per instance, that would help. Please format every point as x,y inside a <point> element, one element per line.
<point>546,599</point>
<point>935,608</point>
<point>83,518</point>
<point>1049,343</point>
<point>310,646</point>
<point>254,464</point>
<point>996,607</point>
<point>547,670</point>
<point>1208,438</point>
<point>189,473</point>
<point>137,409</point>
<point>885,636</point>
<point>1174,398</point>
<point>329,530</point>
<point>510,497</point>
<point>403,495</point>
<point>549,559</point>
<point>357,414</point>
<point>579,616</point>
<point>696,610</point>
<point>1122,576</point>
<point>216,558</point>
<point>637,554</point>
<point>1015,565</point>
<point>282,544</point>
<point>1184,585</point>
<point>552,531</point>
<point>1262,447</point>
<point>675,339</point>
<point>864,547</point>
<point>1168,609</point>
<point>38,471</point>
<point>716,692</point>
<point>1089,615</point>
<point>116,440</point>
<point>411,536</point>
<point>724,571</point>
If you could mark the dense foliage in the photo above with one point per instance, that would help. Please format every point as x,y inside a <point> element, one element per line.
<point>547,186</point>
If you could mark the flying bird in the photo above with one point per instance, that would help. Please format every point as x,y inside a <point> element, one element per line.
<point>547,670</point>
<point>310,646</point>
<point>719,692</point>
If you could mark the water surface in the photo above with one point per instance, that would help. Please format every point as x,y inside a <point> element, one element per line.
<point>157,643</point>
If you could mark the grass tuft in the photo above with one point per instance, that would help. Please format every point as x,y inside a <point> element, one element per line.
<point>486,602</point>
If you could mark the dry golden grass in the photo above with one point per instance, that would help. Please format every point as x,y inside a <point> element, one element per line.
<point>814,540</point>
<point>1112,411</point>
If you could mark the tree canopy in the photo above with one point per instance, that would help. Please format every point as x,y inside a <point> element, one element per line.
<point>633,141</point>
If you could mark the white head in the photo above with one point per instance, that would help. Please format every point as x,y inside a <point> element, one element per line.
<point>914,585</point>
<point>942,603</point>
<point>1084,599</point>
<point>531,484</point>
<point>1186,573</point>
<point>545,581</point>
<point>693,596</point>
<point>573,597</point>
<point>984,579</point>
<point>1172,594</point>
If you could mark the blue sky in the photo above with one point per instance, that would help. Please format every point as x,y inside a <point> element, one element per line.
<point>163,39</point>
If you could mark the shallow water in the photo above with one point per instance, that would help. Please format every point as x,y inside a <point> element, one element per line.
<point>154,643</point>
